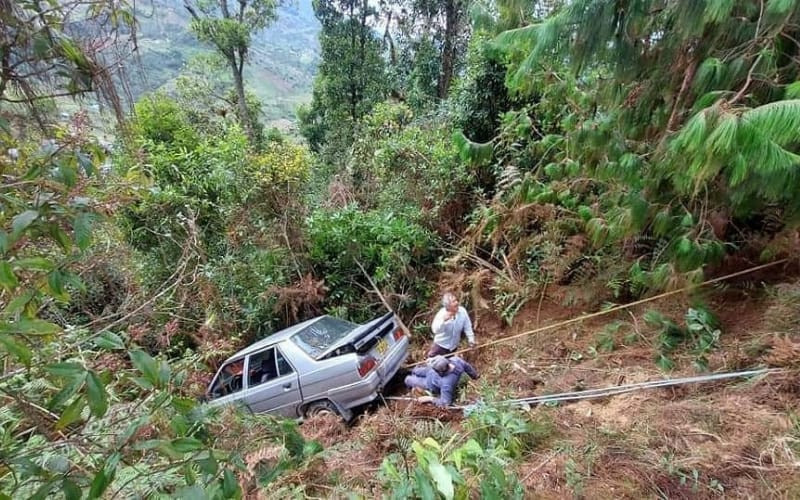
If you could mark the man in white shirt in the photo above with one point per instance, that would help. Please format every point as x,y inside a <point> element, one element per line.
<point>449,323</point>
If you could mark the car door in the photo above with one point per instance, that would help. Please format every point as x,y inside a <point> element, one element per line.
<point>272,383</point>
<point>228,385</point>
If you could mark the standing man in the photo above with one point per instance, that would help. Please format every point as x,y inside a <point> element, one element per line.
<point>449,323</point>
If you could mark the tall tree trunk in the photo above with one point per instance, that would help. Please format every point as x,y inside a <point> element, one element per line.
<point>244,115</point>
<point>353,83</point>
<point>451,22</point>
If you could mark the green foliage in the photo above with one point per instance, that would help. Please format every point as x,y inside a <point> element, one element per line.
<point>390,247</point>
<point>78,418</point>
<point>350,79</point>
<point>229,28</point>
<point>702,328</point>
<point>211,202</point>
<point>400,161</point>
<point>682,146</point>
<point>493,439</point>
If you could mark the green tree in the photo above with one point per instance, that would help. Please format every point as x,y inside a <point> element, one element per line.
<point>664,130</point>
<point>351,77</point>
<point>50,50</point>
<point>229,28</point>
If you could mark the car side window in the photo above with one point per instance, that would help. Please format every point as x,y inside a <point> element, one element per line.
<point>284,368</point>
<point>262,367</point>
<point>229,380</point>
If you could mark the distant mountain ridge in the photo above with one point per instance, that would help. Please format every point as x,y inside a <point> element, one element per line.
<point>282,64</point>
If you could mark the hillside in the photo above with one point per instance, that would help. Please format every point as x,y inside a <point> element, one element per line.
<point>736,439</point>
<point>282,62</point>
<point>623,173</point>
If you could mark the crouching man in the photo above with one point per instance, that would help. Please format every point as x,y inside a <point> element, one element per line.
<point>440,378</point>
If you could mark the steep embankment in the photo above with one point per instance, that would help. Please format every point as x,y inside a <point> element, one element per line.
<point>738,438</point>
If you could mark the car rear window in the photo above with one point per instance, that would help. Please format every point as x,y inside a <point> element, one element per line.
<point>320,335</point>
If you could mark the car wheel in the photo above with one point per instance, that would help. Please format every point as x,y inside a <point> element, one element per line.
<point>323,407</point>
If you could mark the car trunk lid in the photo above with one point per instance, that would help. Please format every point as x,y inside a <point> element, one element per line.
<point>363,338</point>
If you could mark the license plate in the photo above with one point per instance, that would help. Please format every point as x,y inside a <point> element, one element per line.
<point>381,346</point>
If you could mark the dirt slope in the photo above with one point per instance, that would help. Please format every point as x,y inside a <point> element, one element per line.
<point>737,439</point>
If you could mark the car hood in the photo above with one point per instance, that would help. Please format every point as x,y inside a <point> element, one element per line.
<point>363,334</point>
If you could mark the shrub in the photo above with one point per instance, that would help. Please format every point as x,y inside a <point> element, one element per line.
<point>390,247</point>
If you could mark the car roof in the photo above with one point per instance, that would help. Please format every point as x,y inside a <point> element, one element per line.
<point>275,338</point>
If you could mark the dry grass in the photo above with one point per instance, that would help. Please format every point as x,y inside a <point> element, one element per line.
<point>736,439</point>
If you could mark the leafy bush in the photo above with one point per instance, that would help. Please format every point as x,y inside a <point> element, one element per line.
<point>390,247</point>
<point>494,437</point>
<point>702,327</point>
<point>397,157</point>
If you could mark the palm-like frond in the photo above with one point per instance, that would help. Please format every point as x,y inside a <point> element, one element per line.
<point>475,153</point>
<point>779,121</point>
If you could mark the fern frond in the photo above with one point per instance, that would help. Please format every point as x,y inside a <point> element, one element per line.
<point>724,137</point>
<point>519,38</point>
<point>708,74</point>
<point>792,91</point>
<point>509,178</point>
<point>780,7</point>
<point>717,10</point>
<point>536,39</point>
<point>779,121</point>
<point>475,153</point>
<point>693,134</point>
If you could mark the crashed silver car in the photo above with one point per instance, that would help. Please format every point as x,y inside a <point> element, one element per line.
<point>321,365</point>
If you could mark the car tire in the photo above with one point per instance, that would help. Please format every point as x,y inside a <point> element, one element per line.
<point>323,407</point>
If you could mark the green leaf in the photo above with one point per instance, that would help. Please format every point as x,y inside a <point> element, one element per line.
<point>60,237</point>
<point>792,90</point>
<point>96,394</point>
<point>146,365</point>
<point>109,340</point>
<point>230,486</point>
<point>67,392</point>
<point>22,221</point>
<point>8,280</point>
<point>71,413</point>
<point>68,173</point>
<point>34,264</point>
<point>55,282</point>
<point>187,444</point>
<point>424,486</point>
<point>193,492</point>
<point>85,162</point>
<point>44,490</point>
<point>16,348</point>
<point>779,7</point>
<point>82,230</point>
<point>71,490</point>
<point>27,326</point>
<point>442,478</point>
<point>17,304</point>
<point>475,153</point>
<point>66,369</point>
<point>4,243</point>
<point>164,374</point>
<point>104,477</point>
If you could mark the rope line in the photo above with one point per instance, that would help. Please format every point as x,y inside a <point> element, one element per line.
<point>612,390</point>
<point>612,309</point>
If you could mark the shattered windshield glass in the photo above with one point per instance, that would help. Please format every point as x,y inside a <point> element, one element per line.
<point>320,335</point>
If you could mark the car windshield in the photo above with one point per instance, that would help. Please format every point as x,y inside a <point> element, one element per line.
<point>320,335</point>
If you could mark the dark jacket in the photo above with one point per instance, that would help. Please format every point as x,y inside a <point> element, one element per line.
<point>446,386</point>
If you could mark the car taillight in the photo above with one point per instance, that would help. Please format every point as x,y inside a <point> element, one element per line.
<point>366,365</point>
<point>398,334</point>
